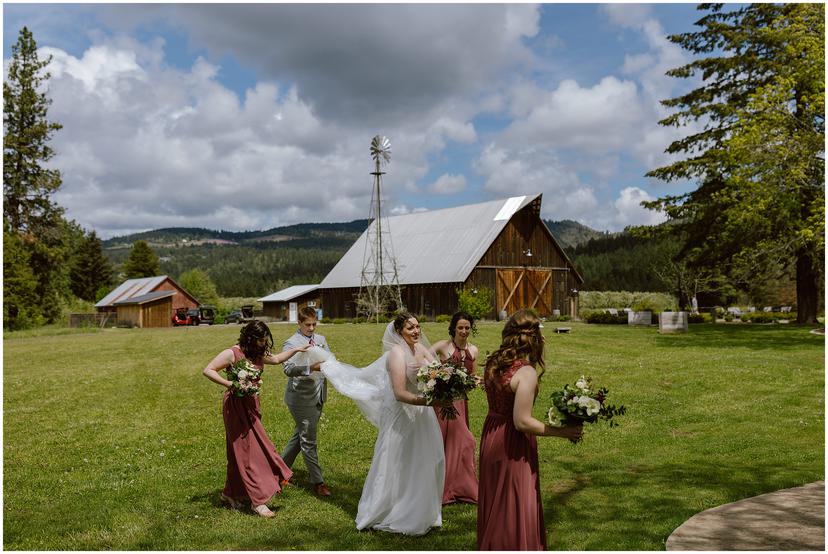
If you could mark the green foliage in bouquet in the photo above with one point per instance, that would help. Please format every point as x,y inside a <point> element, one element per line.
<point>582,402</point>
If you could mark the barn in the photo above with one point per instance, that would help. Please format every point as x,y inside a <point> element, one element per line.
<point>502,244</point>
<point>146,302</point>
<point>285,304</point>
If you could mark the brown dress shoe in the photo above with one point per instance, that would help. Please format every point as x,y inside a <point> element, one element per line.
<point>322,490</point>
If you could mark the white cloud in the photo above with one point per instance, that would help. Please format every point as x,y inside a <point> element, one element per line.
<point>603,118</point>
<point>529,171</point>
<point>629,211</point>
<point>627,15</point>
<point>448,184</point>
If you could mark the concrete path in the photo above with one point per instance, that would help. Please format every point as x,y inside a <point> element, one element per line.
<point>790,519</point>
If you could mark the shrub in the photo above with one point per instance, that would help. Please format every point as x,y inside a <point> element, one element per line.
<point>600,316</point>
<point>657,301</point>
<point>696,318</point>
<point>559,318</point>
<point>477,302</point>
<point>442,318</point>
<point>767,317</point>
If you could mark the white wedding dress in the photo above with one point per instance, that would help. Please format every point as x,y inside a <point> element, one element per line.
<point>404,488</point>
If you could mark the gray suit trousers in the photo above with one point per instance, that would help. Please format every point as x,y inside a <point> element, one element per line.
<point>304,439</point>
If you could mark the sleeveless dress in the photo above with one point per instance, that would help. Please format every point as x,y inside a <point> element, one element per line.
<point>254,468</point>
<point>509,511</point>
<point>403,488</point>
<point>461,481</point>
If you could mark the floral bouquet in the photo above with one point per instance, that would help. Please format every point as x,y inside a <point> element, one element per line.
<point>581,402</point>
<point>246,378</point>
<point>444,381</point>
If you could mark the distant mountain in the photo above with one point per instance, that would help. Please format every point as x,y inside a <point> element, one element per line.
<point>195,236</point>
<point>571,234</point>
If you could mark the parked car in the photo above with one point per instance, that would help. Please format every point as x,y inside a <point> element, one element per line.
<point>181,317</point>
<point>206,314</point>
<point>194,315</point>
<point>234,316</point>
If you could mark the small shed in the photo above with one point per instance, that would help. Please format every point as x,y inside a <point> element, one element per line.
<point>147,302</point>
<point>285,304</point>
<point>503,245</point>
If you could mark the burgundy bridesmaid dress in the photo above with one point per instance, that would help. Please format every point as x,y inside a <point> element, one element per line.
<point>509,512</point>
<point>254,468</point>
<point>458,441</point>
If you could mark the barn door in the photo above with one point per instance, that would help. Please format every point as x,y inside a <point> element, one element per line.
<point>524,288</point>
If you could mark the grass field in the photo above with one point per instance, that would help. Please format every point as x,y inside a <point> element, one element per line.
<point>114,440</point>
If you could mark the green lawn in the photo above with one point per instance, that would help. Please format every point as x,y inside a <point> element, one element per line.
<point>114,440</point>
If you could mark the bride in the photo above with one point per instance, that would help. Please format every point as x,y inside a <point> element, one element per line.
<point>404,487</point>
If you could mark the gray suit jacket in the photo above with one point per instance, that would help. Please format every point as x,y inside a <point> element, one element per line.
<point>304,387</point>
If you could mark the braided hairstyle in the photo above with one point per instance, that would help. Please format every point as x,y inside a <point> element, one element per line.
<point>249,341</point>
<point>522,340</point>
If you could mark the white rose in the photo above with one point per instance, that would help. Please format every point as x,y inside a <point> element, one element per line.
<point>583,401</point>
<point>582,384</point>
<point>242,374</point>
<point>593,407</point>
<point>431,383</point>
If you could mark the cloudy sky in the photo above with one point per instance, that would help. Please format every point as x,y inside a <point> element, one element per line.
<point>246,117</point>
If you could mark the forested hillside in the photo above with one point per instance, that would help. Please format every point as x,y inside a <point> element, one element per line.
<point>570,234</point>
<point>251,263</point>
<point>621,261</point>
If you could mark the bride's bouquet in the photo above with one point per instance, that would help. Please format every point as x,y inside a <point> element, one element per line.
<point>444,381</point>
<point>246,378</point>
<point>582,402</point>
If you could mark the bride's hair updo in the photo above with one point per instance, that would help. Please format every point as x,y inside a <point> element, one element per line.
<point>522,340</point>
<point>249,339</point>
<point>399,321</point>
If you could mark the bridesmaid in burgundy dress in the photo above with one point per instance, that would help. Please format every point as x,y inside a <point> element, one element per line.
<point>509,512</point>
<point>255,471</point>
<point>458,441</point>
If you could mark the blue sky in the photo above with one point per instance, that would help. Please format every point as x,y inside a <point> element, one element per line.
<point>251,116</point>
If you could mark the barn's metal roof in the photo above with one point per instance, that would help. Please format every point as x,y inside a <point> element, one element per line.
<point>130,289</point>
<point>289,293</point>
<point>144,298</point>
<point>437,246</point>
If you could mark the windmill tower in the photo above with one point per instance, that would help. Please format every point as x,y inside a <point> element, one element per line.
<point>379,288</point>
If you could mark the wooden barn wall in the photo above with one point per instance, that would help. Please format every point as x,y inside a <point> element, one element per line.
<point>428,300</point>
<point>281,310</point>
<point>130,315</point>
<point>157,314</point>
<point>179,299</point>
<point>524,232</point>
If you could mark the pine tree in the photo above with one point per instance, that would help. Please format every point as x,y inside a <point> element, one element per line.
<point>20,309</point>
<point>27,184</point>
<point>91,269</point>
<point>28,210</point>
<point>759,156</point>
<point>142,262</point>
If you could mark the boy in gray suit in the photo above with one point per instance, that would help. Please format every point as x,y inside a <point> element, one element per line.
<point>305,394</point>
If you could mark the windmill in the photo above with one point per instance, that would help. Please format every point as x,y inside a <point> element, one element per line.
<point>379,288</point>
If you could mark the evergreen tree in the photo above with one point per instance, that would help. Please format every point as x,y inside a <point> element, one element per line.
<point>20,308</point>
<point>759,156</point>
<point>142,261</point>
<point>29,213</point>
<point>27,184</point>
<point>91,269</point>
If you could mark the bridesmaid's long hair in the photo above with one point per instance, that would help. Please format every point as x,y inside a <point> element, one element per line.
<point>249,341</point>
<point>522,340</point>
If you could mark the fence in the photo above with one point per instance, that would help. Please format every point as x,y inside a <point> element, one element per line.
<point>102,319</point>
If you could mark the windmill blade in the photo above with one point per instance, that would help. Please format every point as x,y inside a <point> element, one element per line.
<point>381,149</point>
